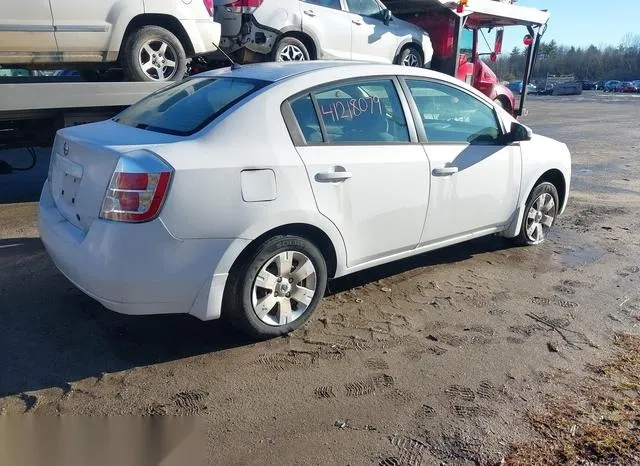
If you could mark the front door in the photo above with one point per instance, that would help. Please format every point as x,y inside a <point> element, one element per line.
<point>475,179</point>
<point>329,26</point>
<point>84,29</point>
<point>366,175</point>
<point>371,39</point>
<point>26,31</point>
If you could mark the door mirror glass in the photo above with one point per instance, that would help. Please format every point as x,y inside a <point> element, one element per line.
<point>497,49</point>
<point>520,132</point>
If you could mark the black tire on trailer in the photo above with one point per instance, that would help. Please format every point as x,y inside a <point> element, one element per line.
<point>411,56</point>
<point>290,49</point>
<point>276,287</point>
<point>153,53</point>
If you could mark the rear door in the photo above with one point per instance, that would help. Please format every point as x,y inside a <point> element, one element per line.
<point>329,25</point>
<point>26,29</point>
<point>368,175</point>
<point>84,29</point>
<point>475,178</point>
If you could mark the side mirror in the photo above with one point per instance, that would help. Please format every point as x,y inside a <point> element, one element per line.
<point>519,132</point>
<point>386,17</point>
<point>497,49</point>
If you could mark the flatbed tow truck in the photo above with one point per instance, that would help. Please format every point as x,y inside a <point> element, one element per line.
<point>32,109</point>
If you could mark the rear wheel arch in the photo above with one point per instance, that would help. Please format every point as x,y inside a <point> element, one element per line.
<point>168,22</point>
<point>312,233</point>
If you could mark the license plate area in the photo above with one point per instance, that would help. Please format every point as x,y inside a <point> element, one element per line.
<point>69,188</point>
<point>66,178</point>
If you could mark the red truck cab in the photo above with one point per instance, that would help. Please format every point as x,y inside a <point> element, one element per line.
<point>470,67</point>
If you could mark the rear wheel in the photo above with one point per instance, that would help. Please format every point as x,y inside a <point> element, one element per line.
<point>154,54</point>
<point>275,289</point>
<point>291,49</point>
<point>411,56</point>
<point>539,215</point>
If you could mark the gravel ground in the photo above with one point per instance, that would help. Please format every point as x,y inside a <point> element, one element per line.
<point>431,359</point>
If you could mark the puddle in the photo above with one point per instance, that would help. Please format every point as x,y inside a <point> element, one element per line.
<point>577,257</point>
<point>570,253</point>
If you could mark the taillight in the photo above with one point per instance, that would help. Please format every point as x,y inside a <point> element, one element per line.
<point>138,188</point>
<point>243,6</point>
<point>208,4</point>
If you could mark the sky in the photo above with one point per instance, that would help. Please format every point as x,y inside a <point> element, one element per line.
<point>581,22</point>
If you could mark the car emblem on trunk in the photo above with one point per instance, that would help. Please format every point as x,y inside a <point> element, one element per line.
<point>65,148</point>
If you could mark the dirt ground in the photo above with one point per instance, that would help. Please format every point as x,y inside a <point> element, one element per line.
<point>432,360</point>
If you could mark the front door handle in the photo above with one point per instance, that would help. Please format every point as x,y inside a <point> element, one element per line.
<point>309,13</point>
<point>333,177</point>
<point>357,22</point>
<point>445,171</point>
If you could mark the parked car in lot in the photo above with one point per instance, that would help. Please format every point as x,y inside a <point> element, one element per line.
<point>170,208</point>
<point>588,85</point>
<point>636,83</point>
<point>628,87</point>
<point>612,85</point>
<point>296,30</point>
<point>151,39</point>
<point>516,86</point>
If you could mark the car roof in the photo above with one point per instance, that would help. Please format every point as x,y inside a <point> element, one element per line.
<point>273,71</point>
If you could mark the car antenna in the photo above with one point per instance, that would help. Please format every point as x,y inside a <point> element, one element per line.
<point>234,65</point>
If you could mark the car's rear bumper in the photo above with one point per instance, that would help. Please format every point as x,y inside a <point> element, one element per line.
<point>204,35</point>
<point>137,268</point>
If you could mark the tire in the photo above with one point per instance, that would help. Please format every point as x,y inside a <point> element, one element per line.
<point>290,49</point>
<point>536,213</point>
<point>260,296</point>
<point>155,47</point>
<point>411,56</point>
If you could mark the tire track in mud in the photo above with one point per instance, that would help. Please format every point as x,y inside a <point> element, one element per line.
<point>460,392</point>
<point>278,362</point>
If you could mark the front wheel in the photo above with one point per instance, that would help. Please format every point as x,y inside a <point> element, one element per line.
<point>291,49</point>
<point>540,214</point>
<point>411,56</point>
<point>275,289</point>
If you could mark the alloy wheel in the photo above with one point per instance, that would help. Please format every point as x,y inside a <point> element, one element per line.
<point>291,53</point>
<point>284,288</point>
<point>540,218</point>
<point>157,59</point>
<point>411,60</point>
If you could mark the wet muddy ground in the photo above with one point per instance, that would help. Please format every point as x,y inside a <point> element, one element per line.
<point>432,359</point>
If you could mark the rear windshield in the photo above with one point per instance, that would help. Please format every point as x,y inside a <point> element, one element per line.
<point>188,106</point>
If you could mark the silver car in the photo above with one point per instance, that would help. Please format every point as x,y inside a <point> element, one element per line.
<point>296,30</point>
<point>152,39</point>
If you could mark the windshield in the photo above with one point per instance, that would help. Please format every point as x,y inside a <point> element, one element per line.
<point>188,106</point>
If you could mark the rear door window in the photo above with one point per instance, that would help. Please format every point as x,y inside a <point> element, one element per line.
<point>188,106</point>
<point>367,111</point>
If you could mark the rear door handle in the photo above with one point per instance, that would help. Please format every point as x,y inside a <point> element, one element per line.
<point>445,171</point>
<point>309,13</point>
<point>333,177</point>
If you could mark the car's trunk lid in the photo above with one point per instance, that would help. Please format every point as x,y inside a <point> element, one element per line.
<point>82,162</point>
